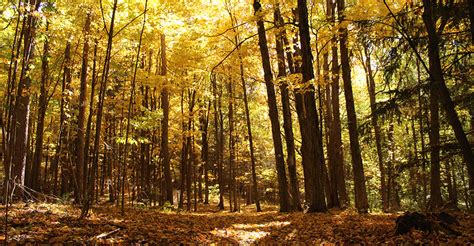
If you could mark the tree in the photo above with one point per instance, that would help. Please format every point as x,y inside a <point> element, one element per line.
<point>357,166</point>
<point>311,147</point>
<point>287,119</point>
<point>21,117</point>
<point>164,128</point>
<point>273,112</point>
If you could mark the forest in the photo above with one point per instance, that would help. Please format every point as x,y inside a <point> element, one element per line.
<point>237,122</point>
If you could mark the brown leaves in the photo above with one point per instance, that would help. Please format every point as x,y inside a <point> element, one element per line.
<point>58,224</point>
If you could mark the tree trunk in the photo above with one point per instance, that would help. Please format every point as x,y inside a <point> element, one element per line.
<point>22,101</point>
<point>100,106</point>
<point>287,119</point>
<point>165,105</point>
<point>332,198</point>
<point>358,168</point>
<point>231,147</point>
<point>129,112</point>
<point>336,124</point>
<point>273,113</point>
<point>217,130</point>
<point>377,131</point>
<point>42,105</point>
<point>436,200</point>
<point>204,123</point>
<point>436,76</point>
<point>80,151</point>
<point>311,147</point>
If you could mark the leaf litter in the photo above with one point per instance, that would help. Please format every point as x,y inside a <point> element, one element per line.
<point>60,224</point>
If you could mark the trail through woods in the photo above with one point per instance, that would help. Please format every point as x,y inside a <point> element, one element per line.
<point>47,223</point>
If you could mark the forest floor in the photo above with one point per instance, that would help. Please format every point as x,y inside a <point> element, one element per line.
<point>58,224</point>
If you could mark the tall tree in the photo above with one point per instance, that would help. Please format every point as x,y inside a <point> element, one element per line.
<point>273,112</point>
<point>100,105</point>
<point>311,146</point>
<point>129,112</point>
<point>441,90</point>
<point>42,105</point>
<point>287,118</point>
<point>377,130</point>
<point>164,127</point>
<point>336,122</point>
<point>81,169</point>
<point>357,166</point>
<point>22,102</point>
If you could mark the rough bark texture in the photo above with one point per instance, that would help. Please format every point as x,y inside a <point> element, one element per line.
<point>42,105</point>
<point>336,122</point>
<point>358,168</point>
<point>273,113</point>
<point>22,102</point>
<point>311,147</point>
<point>287,119</point>
<point>80,151</point>
<point>437,78</point>
<point>165,105</point>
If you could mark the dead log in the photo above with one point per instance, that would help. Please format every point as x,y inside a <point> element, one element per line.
<point>431,223</point>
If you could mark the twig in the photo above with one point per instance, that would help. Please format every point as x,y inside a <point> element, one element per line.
<point>104,235</point>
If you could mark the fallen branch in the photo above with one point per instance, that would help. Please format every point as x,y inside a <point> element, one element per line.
<point>104,235</point>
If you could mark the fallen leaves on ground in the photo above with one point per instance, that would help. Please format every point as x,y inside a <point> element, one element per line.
<point>58,224</point>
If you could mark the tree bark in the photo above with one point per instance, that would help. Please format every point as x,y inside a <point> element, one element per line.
<point>336,131</point>
<point>437,77</point>
<point>22,101</point>
<point>436,200</point>
<point>100,106</point>
<point>311,148</point>
<point>42,105</point>
<point>273,113</point>
<point>287,119</point>
<point>358,168</point>
<point>80,141</point>
<point>165,105</point>
<point>204,123</point>
<point>377,130</point>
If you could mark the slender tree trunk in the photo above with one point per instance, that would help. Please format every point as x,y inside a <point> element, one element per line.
<point>165,156</point>
<point>332,198</point>
<point>80,141</point>
<point>100,106</point>
<point>218,147</point>
<point>129,112</point>
<point>91,112</point>
<point>22,101</point>
<point>273,113</point>
<point>204,123</point>
<point>231,145</point>
<point>377,131</point>
<point>255,196</point>
<point>436,200</point>
<point>437,78</point>
<point>287,119</point>
<point>189,154</point>
<point>184,154</point>
<point>415,171</point>
<point>358,168</point>
<point>42,105</point>
<point>336,132</point>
